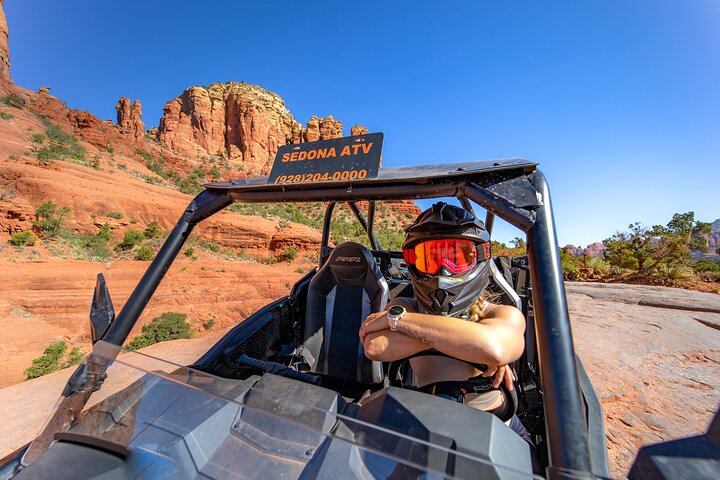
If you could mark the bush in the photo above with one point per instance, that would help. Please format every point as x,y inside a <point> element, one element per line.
<point>189,251</point>
<point>675,273</point>
<point>13,100</point>
<point>37,138</point>
<point>130,240</point>
<point>207,325</point>
<point>599,266</point>
<point>168,326</point>
<point>290,253</point>
<point>116,215</point>
<point>22,239</point>
<point>96,246</point>
<point>50,218</point>
<point>53,359</point>
<point>6,116</point>
<point>706,265</point>
<point>152,230</point>
<point>145,253</point>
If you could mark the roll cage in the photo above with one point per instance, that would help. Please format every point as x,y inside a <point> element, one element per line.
<point>512,189</point>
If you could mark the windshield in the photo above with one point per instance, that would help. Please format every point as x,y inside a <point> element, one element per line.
<point>191,424</point>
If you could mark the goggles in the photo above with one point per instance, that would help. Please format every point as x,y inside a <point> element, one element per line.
<point>457,255</point>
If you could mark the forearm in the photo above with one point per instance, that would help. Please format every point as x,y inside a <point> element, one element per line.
<point>469,341</point>
<point>386,346</point>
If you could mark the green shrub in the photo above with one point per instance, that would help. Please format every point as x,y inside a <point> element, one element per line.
<point>290,253</point>
<point>54,358</point>
<point>22,239</point>
<point>62,146</point>
<point>6,116</point>
<point>50,218</point>
<point>145,253</point>
<point>168,326</point>
<point>189,251</point>
<point>706,265</point>
<point>13,100</point>
<point>131,238</point>
<point>207,325</point>
<point>117,215</point>
<point>37,138</point>
<point>269,260</point>
<point>152,230</point>
<point>675,272</point>
<point>599,266</point>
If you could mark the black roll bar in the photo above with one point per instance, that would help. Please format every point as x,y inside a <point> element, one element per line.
<point>564,412</point>
<point>567,434</point>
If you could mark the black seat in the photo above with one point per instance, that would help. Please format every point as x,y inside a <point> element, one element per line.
<point>348,287</point>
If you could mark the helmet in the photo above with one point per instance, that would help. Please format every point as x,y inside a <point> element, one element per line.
<point>447,286</point>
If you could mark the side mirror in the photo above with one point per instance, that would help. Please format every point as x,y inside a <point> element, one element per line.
<point>102,313</point>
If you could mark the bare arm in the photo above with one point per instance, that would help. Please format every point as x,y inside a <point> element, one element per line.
<point>496,340</point>
<point>385,345</point>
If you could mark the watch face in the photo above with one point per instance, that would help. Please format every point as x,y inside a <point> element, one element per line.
<point>396,310</point>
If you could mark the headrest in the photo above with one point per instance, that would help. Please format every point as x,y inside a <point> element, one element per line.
<point>349,263</point>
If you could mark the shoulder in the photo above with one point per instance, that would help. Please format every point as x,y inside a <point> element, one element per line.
<point>505,314</point>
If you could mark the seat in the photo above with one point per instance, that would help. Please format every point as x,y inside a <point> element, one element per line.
<point>347,288</point>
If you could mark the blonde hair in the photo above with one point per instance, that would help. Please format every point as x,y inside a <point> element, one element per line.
<point>476,312</point>
<point>477,309</point>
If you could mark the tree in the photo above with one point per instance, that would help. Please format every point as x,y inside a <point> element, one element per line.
<point>632,249</point>
<point>518,243</point>
<point>643,249</point>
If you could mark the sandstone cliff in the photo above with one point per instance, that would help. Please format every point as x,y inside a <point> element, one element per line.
<point>244,123</point>
<point>4,48</point>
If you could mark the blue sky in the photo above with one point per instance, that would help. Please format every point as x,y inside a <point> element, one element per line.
<point>618,101</point>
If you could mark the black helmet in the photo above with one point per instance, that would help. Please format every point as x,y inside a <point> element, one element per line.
<point>445,293</point>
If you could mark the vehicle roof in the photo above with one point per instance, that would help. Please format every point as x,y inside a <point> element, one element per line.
<point>390,182</point>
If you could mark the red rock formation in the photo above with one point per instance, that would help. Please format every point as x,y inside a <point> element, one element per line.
<point>245,122</point>
<point>129,120</point>
<point>4,48</point>
<point>15,215</point>
<point>312,130</point>
<point>322,129</point>
<point>298,236</point>
<point>358,130</point>
<point>330,128</point>
<point>595,249</point>
<point>404,206</point>
<point>91,129</point>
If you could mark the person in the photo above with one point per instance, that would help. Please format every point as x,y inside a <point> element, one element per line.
<point>447,252</point>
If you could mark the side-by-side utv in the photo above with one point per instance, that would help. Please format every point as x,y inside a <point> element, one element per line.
<point>289,393</point>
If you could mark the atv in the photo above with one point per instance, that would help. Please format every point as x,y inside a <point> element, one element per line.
<point>288,392</point>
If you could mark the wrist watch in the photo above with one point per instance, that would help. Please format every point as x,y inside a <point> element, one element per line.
<point>394,314</point>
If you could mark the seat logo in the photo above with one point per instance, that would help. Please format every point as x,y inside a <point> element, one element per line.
<point>348,259</point>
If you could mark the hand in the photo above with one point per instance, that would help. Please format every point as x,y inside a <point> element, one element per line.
<point>374,322</point>
<point>500,374</point>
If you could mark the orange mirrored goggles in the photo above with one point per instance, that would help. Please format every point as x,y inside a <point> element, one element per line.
<point>457,255</point>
